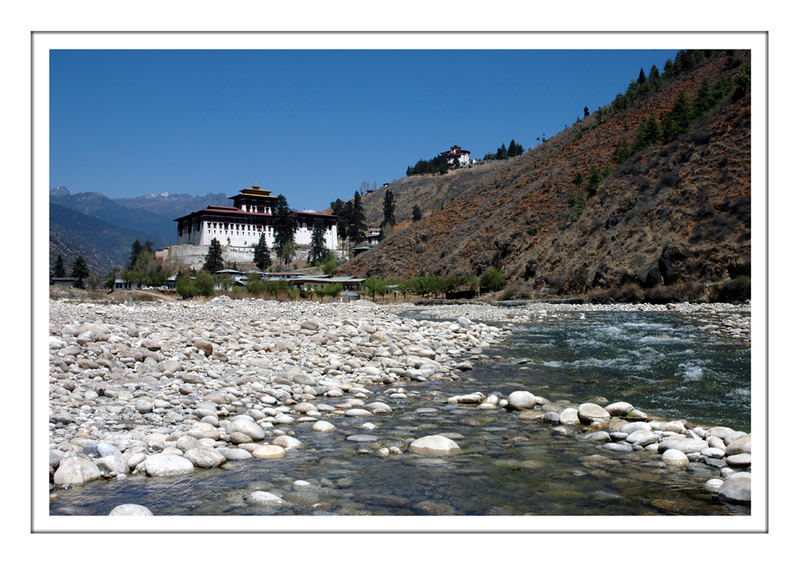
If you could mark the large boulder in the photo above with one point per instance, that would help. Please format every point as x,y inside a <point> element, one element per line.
<point>76,471</point>
<point>589,412</point>
<point>205,457</point>
<point>247,426</point>
<point>736,488</point>
<point>434,445</point>
<point>167,465</point>
<point>521,400</point>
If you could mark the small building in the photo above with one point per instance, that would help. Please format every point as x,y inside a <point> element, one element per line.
<point>372,236</point>
<point>457,157</point>
<point>67,282</point>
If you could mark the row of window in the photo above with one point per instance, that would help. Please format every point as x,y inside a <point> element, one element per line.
<point>223,226</point>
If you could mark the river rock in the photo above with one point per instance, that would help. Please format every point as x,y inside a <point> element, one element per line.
<point>234,453</point>
<point>245,425</point>
<point>521,400</point>
<point>205,457</point>
<point>641,438</point>
<point>589,412</point>
<point>569,416</point>
<point>713,485</point>
<point>76,470</point>
<point>738,460</point>
<point>130,510</point>
<point>323,426</point>
<point>436,445</point>
<point>269,452</point>
<point>112,465</point>
<point>739,445</point>
<point>619,408</point>
<point>167,465</point>
<point>287,442</point>
<point>675,458</point>
<point>264,498</point>
<point>736,488</point>
<point>682,443</point>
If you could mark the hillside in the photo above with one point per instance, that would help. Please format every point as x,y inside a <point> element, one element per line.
<point>103,245</point>
<point>671,215</point>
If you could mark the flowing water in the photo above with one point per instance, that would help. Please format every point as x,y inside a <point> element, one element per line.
<point>664,364</point>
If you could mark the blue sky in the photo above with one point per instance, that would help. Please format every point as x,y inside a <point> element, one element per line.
<point>311,125</point>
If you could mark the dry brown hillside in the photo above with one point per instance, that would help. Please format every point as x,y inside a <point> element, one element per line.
<point>673,215</point>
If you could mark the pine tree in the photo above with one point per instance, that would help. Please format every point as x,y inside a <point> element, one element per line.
<point>647,134</point>
<point>357,221</point>
<point>59,271</point>
<point>285,227</point>
<point>319,252</point>
<point>388,209</point>
<point>416,214</point>
<point>642,78</point>
<point>214,257</point>
<point>502,152</point>
<point>261,254</point>
<point>80,270</point>
<point>136,248</point>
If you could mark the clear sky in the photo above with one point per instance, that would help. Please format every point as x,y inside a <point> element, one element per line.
<point>311,125</point>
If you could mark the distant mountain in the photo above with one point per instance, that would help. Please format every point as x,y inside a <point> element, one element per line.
<point>173,205</point>
<point>161,228</point>
<point>59,191</point>
<point>102,244</point>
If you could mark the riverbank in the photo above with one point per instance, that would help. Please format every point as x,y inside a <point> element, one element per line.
<point>161,389</point>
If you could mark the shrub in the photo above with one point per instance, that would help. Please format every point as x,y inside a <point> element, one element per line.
<point>185,286</point>
<point>734,290</point>
<point>492,280</point>
<point>630,293</point>
<point>509,293</point>
<point>662,295</point>
<point>204,283</point>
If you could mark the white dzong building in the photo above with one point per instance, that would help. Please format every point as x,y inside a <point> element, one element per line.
<point>240,226</point>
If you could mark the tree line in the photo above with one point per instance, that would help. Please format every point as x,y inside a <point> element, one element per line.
<point>502,152</point>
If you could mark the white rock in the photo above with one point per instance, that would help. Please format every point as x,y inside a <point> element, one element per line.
<point>167,465</point>
<point>130,510</point>
<point>76,471</point>
<point>675,458</point>
<point>323,426</point>
<point>264,498</point>
<point>434,445</point>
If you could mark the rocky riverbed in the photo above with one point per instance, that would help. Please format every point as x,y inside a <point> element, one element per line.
<point>163,389</point>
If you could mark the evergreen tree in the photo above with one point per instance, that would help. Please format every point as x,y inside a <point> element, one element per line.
<point>136,248</point>
<point>285,227</point>
<point>319,252</point>
<point>213,261</point>
<point>416,213</point>
<point>388,209</point>
<point>703,101</point>
<point>59,271</point>
<point>261,254</point>
<point>502,152</point>
<point>357,221</point>
<point>642,78</point>
<point>577,180</point>
<point>512,148</point>
<point>595,178</point>
<point>80,270</point>
<point>647,134</point>
<point>655,77</point>
<point>586,111</point>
